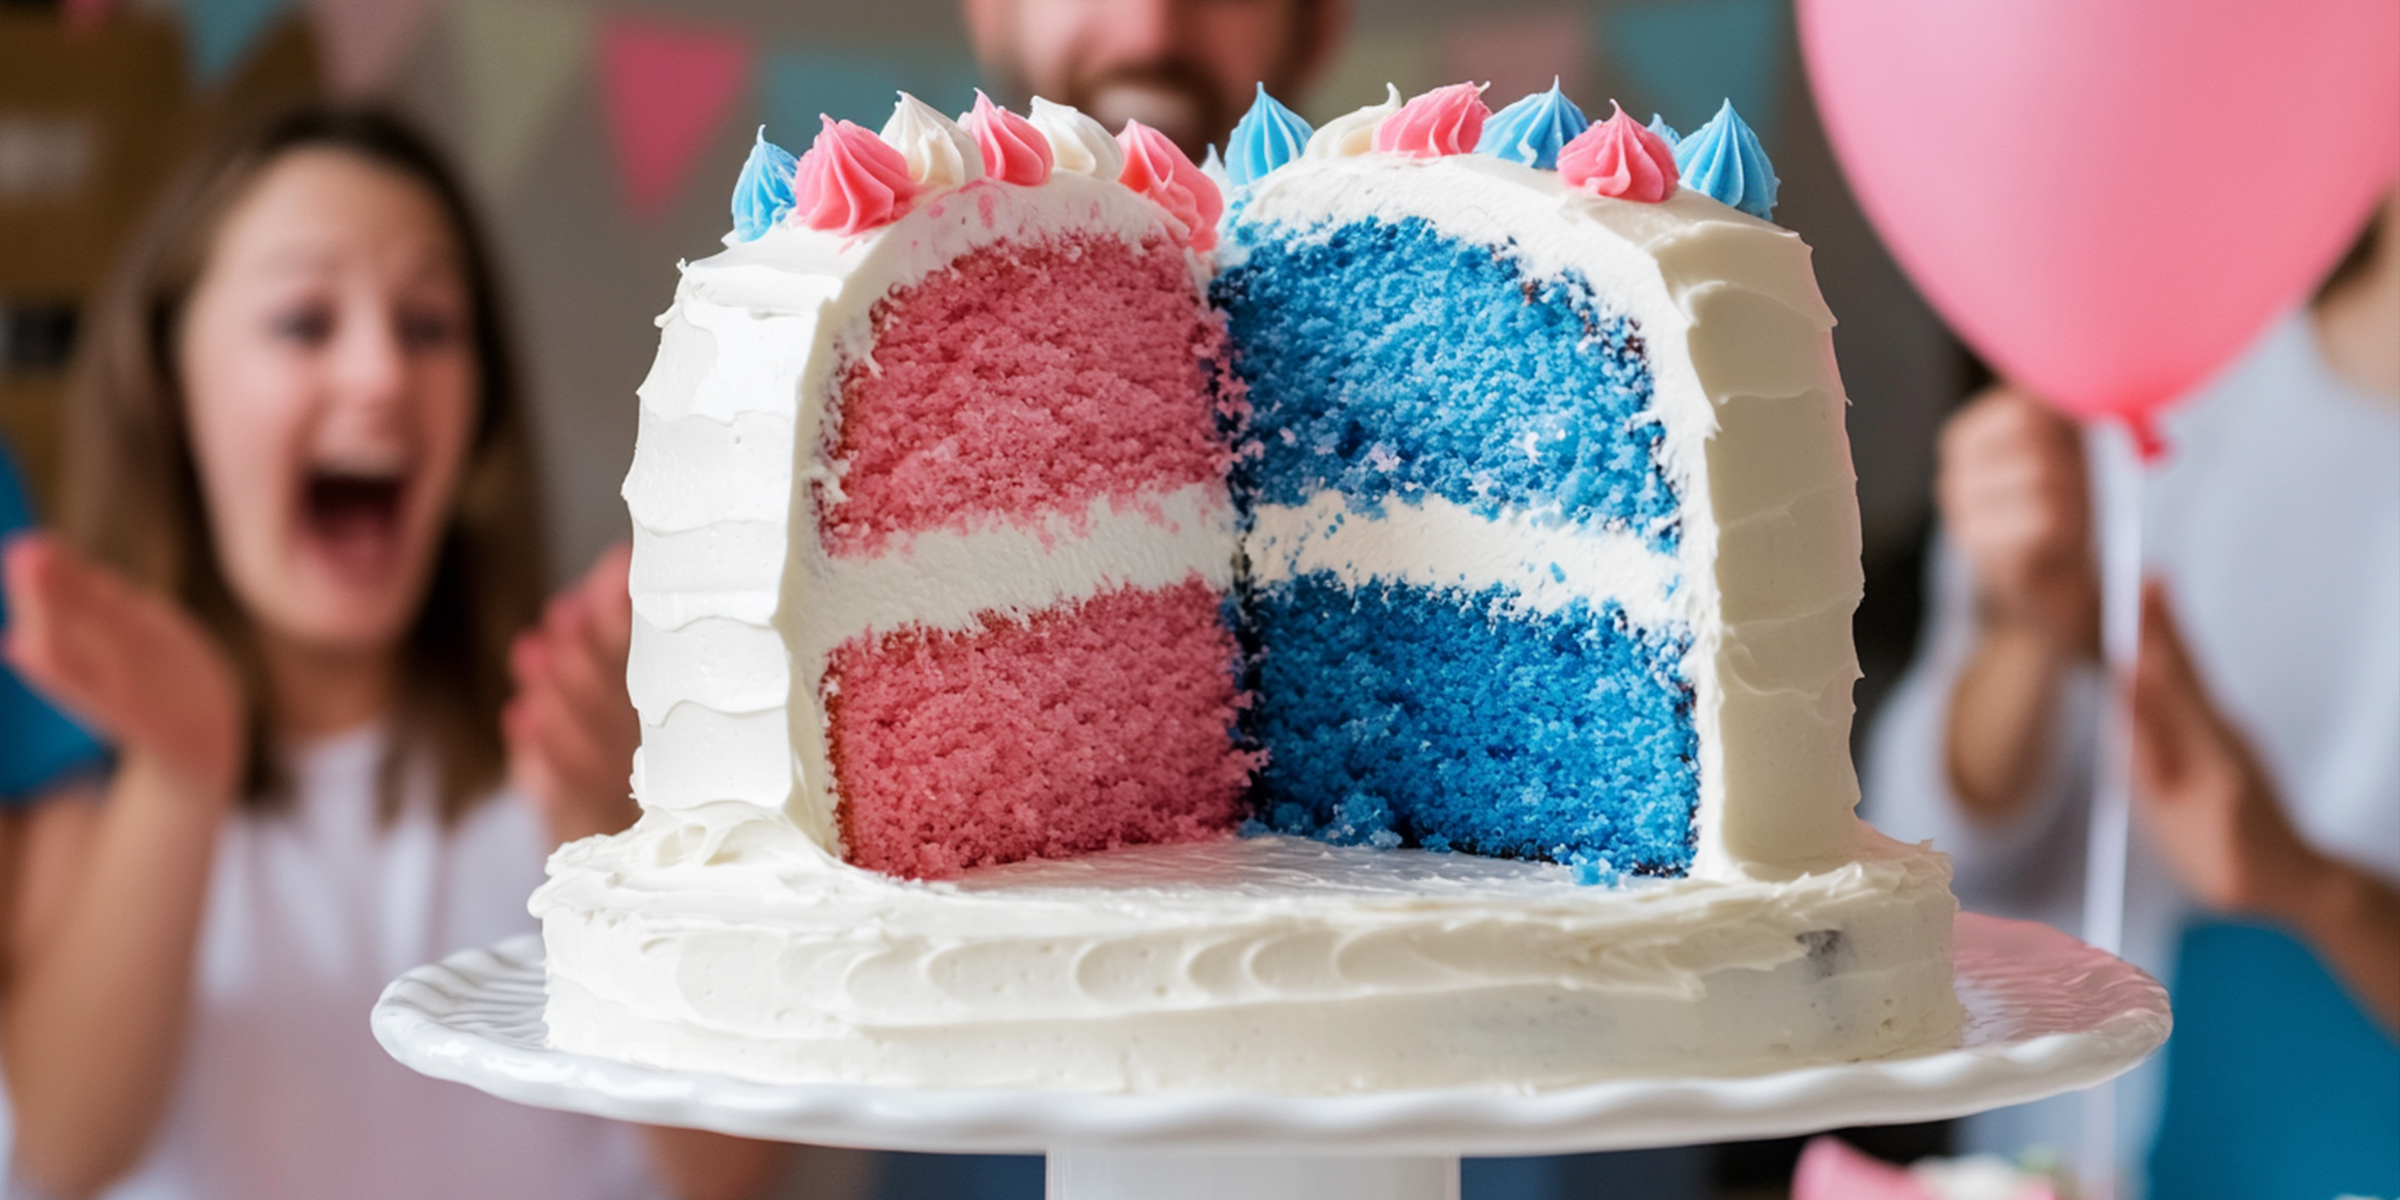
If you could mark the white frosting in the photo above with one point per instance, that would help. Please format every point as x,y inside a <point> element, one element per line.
<point>1750,408</point>
<point>940,153</point>
<point>724,932</point>
<point>699,941</point>
<point>1078,143</point>
<point>1353,133</point>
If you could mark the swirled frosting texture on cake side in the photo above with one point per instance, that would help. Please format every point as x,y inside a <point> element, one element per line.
<point>706,940</point>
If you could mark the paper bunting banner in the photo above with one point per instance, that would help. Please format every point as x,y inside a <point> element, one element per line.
<point>796,85</point>
<point>363,41</point>
<point>1519,53</point>
<point>1687,56</point>
<point>1406,57</point>
<point>856,85</point>
<point>516,60</point>
<point>667,88</point>
<point>218,35</point>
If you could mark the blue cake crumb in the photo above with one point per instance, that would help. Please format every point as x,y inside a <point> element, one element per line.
<point>1396,715</point>
<point>1385,360</point>
<point>1590,869</point>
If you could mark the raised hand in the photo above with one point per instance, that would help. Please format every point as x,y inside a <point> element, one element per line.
<point>127,660</point>
<point>571,728</point>
<point>2204,798</point>
<point>2016,503</point>
<point>2015,500</point>
<point>2198,786</point>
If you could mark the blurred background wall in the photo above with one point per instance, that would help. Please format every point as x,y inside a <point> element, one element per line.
<point>603,137</point>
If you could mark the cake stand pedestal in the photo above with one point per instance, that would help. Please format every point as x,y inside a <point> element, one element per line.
<point>2045,1014</point>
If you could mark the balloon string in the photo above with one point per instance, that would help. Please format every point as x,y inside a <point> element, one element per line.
<point>2120,514</point>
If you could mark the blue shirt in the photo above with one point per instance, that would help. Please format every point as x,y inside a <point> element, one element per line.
<point>39,746</point>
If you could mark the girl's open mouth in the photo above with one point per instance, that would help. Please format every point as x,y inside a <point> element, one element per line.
<point>354,518</point>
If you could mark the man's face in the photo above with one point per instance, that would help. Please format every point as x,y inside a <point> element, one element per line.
<point>1183,67</point>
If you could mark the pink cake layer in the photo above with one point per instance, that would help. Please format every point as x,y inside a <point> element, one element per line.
<point>1093,725</point>
<point>1027,378</point>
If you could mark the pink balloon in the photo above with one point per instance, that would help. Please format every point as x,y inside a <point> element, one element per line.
<point>2110,199</point>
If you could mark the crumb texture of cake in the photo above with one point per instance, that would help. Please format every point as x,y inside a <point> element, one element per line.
<point>1591,446</point>
<point>1027,378</point>
<point>956,747</point>
<point>1015,390</point>
<point>1391,367</point>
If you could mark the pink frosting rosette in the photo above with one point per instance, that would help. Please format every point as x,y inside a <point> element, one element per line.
<point>1445,121</point>
<point>1619,157</point>
<point>1014,151</point>
<point>1157,168</point>
<point>851,181</point>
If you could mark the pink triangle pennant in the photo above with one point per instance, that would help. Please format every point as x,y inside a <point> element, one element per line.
<point>364,40</point>
<point>667,88</point>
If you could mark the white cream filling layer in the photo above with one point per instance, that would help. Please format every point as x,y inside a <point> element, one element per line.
<point>1542,563</point>
<point>952,581</point>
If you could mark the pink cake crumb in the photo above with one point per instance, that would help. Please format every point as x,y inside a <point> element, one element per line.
<point>1028,378</point>
<point>1093,725</point>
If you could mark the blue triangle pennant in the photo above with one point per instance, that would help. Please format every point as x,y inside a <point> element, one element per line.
<point>1686,57</point>
<point>218,35</point>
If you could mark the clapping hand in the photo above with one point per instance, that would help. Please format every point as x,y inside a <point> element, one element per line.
<point>129,661</point>
<point>571,727</point>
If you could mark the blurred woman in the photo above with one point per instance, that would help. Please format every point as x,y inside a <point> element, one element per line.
<point>2265,875</point>
<point>300,535</point>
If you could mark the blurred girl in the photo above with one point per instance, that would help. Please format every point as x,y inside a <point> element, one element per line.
<point>300,533</point>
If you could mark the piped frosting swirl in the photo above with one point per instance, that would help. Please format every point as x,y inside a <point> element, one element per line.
<point>1533,130</point>
<point>1620,158</point>
<point>1013,150</point>
<point>1268,136</point>
<point>1723,161</point>
<point>1445,121</point>
<point>938,152</point>
<point>851,181</point>
<point>1353,133</point>
<point>763,193</point>
<point>1156,168</point>
<point>1079,145</point>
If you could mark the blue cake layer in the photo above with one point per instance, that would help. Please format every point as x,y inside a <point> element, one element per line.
<point>1396,715</point>
<point>1387,360</point>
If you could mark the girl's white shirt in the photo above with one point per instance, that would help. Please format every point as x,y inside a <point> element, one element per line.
<point>2275,522</point>
<point>283,1091</point>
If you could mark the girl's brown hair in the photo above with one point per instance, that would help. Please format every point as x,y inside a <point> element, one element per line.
<point>133,495</point>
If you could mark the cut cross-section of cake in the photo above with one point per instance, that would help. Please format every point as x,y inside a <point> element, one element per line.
<point>930,503</point>
<point>1552,542</point>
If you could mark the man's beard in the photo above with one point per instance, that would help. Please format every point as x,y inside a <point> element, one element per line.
<point>1172,95</point>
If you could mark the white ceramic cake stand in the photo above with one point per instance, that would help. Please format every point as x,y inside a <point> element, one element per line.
<point>2045,1014</point>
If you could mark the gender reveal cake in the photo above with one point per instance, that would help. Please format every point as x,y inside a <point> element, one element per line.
<point>1375,618</point>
